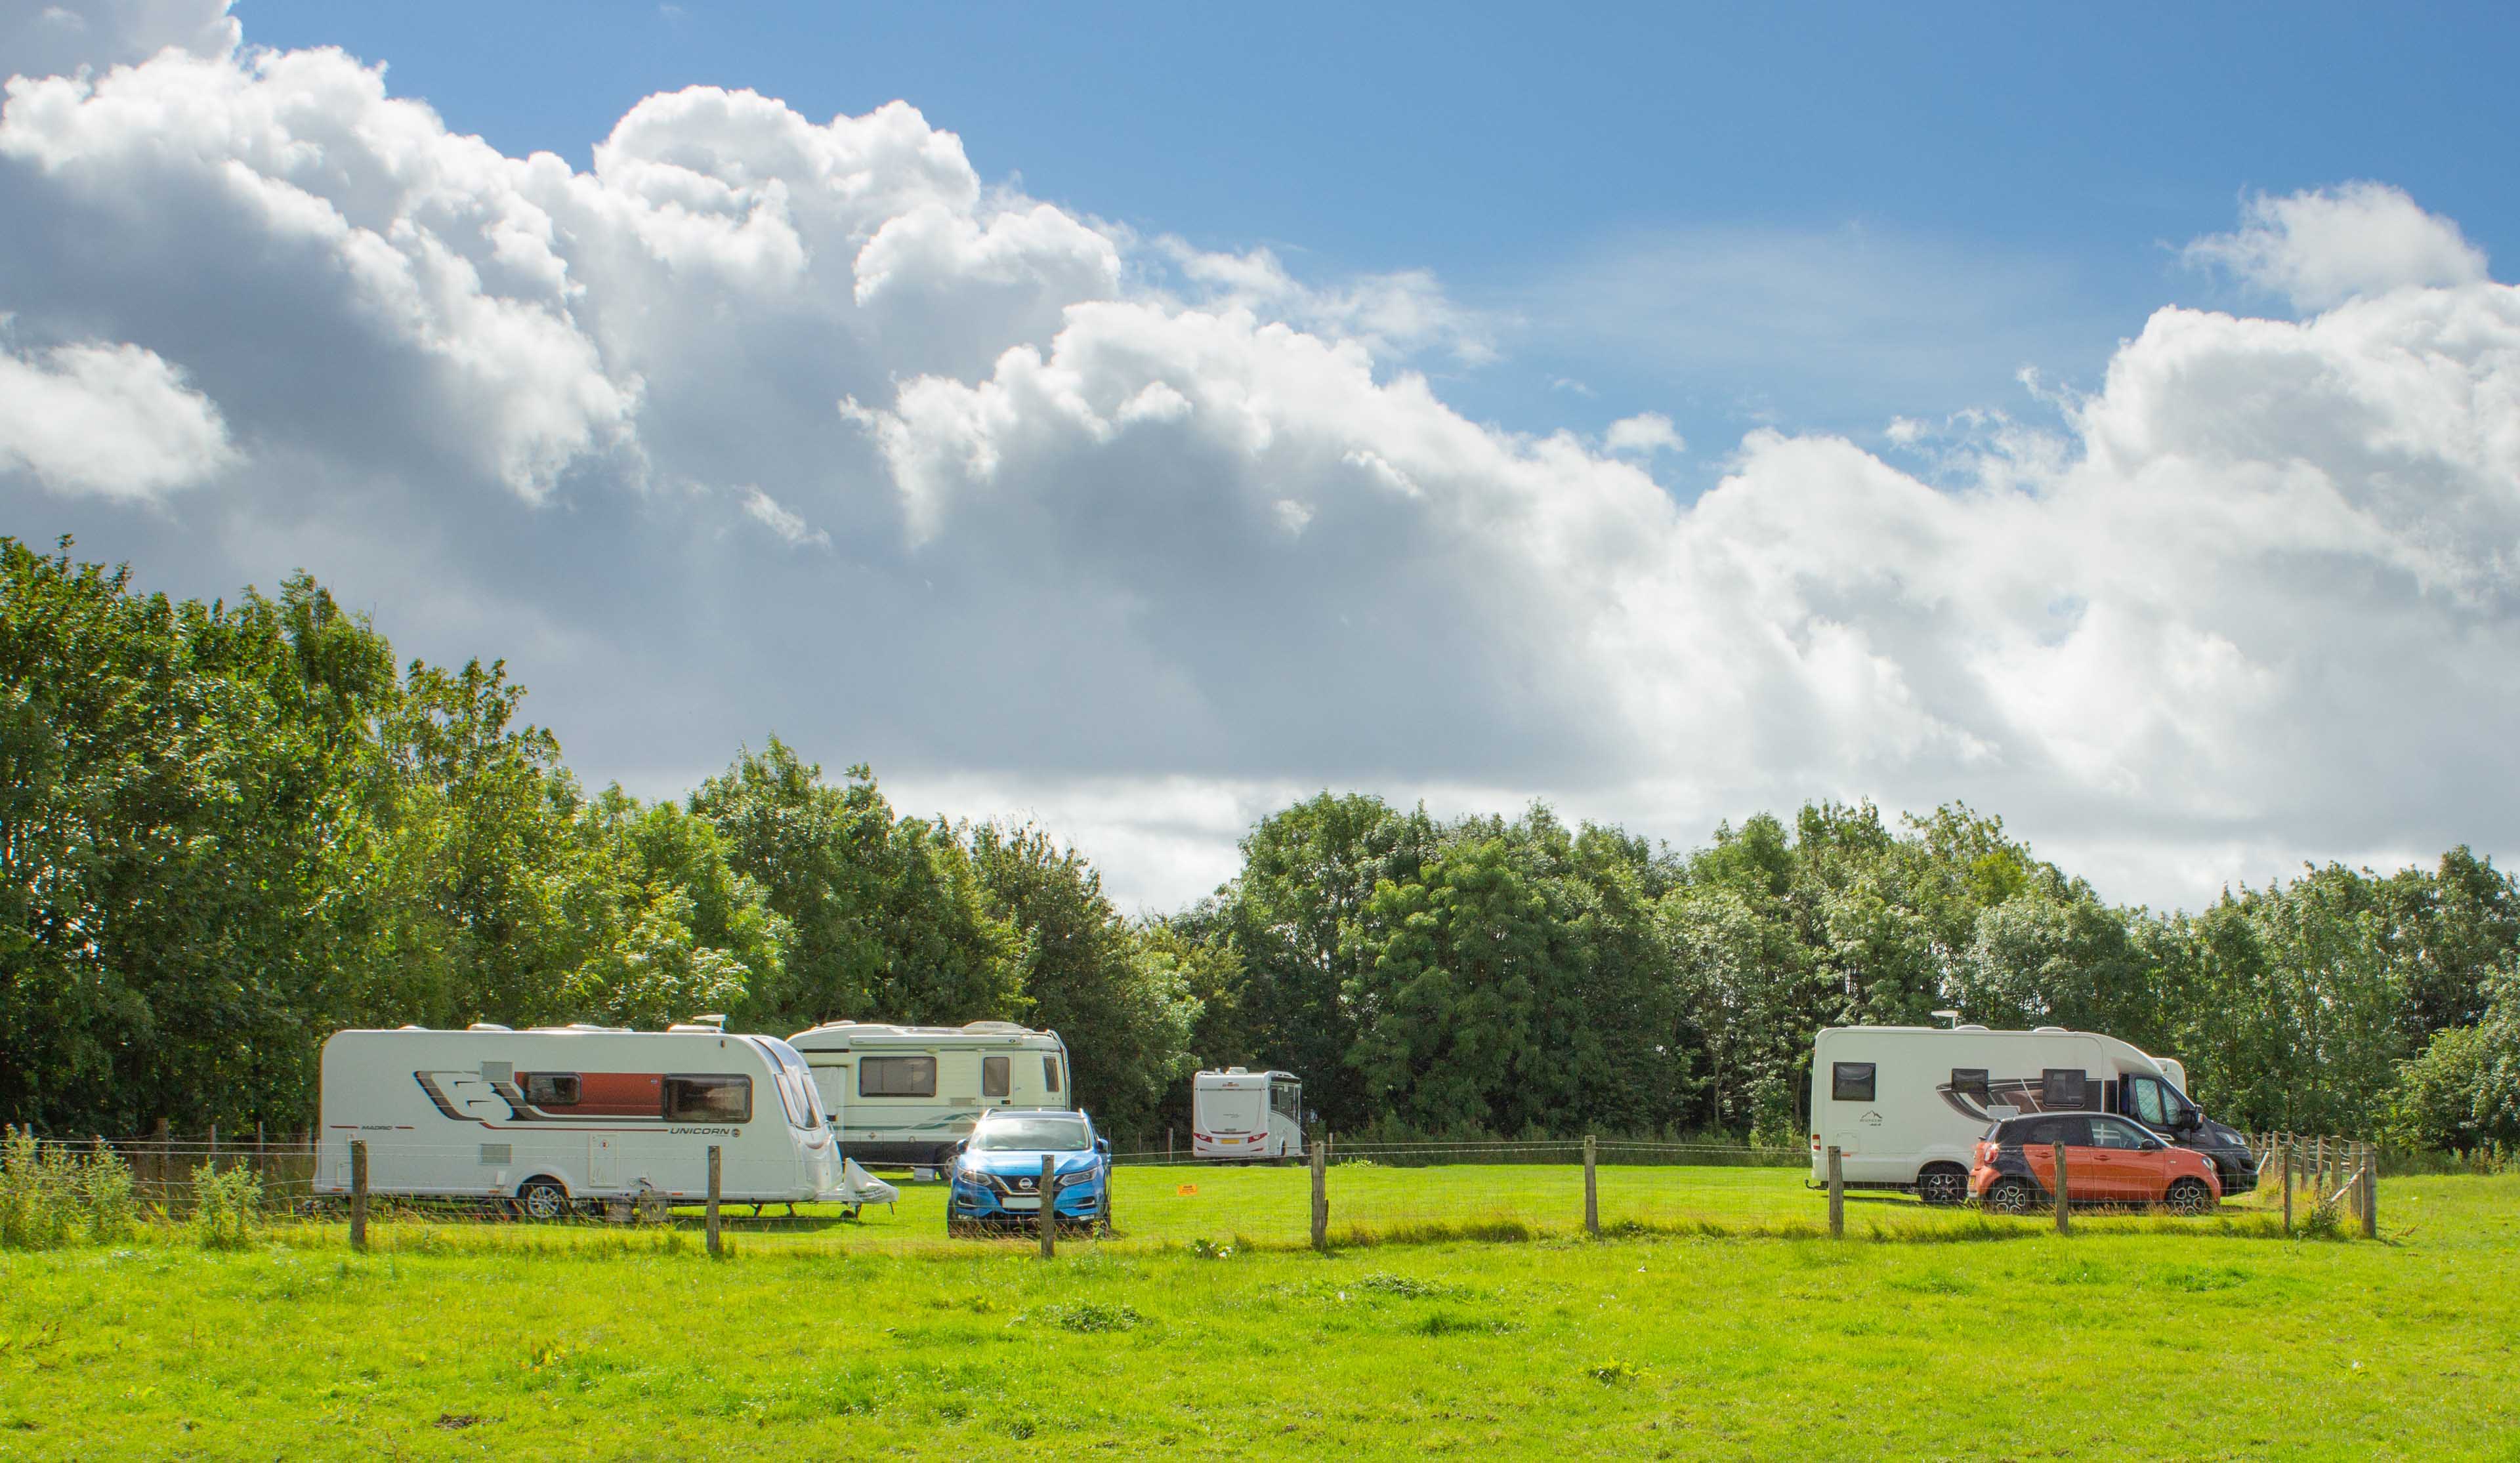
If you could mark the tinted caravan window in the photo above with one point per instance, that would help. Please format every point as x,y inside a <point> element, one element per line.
<point>896,1077</point>
<point>1050,1073</point>
<point>1850,1081</point>
<point>1970,1082</point>
<point>997,1076</point>
<point>552,1089</point>
<point>708,1099</point>
<point>2060,1088</point>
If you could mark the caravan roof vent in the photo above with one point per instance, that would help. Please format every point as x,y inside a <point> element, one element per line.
<point>2048,1031</point>
<point>407,1026</point>
<point>488,1026</point>
<point>712,1025</point>
<point>991,1026</point>
<point>1237,1071</point>
<point>1972,1026</point>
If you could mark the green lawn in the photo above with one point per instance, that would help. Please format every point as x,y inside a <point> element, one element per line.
<point>2130,1339</point>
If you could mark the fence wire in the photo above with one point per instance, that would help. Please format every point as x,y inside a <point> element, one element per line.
<point>1376,1192</point>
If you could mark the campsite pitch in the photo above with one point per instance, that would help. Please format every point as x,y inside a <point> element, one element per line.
<point>523,1342</point>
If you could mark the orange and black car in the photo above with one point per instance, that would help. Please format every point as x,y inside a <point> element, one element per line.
<point>2109,1160</point>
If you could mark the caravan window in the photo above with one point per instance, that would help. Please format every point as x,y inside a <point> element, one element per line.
<point>997,1076</point>
<point>1282,1096</point>
<point>708,1099</point>
<point>2060,1088</point>
<point>1850,1081</point>
<point>1970,1082</point>
<point>897,1077</point>
<point>1050,1073</point>
<point>550,1088</point>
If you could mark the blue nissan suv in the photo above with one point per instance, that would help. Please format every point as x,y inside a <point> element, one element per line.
<point>997,1171</point>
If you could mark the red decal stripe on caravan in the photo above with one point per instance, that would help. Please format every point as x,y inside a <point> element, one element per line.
<point>615,1095</point>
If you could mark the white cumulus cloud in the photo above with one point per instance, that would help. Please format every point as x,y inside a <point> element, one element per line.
<point>1143,537</point>
<point>2321,248</point>
<point>114,421</point>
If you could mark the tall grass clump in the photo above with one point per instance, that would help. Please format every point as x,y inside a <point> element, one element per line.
<point>225,1206</point>
<point>38,1193</point>
<point>51,1196</point>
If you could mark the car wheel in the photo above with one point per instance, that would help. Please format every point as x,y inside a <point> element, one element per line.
<point>2010,1196</point>
<point>1941,1185</point>
<point>543,1199</point>
<point>2189,1196</point>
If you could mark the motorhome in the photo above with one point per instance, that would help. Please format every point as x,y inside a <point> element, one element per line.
<point>1905,1105</point>
<point>1240,1114</point>
<point>906,1095</point>
<point>564,1118</point>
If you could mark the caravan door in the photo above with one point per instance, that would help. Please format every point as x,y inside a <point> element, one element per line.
<point>603,1161</point>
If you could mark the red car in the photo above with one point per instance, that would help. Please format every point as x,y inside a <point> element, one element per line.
<point>2109,1160</point>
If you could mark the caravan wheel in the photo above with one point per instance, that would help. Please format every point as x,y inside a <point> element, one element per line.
<point>543,1199</point>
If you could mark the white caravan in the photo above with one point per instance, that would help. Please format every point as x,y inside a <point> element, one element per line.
<point>1249,1115</point>
<point>556,1118</point>
<point>906,1095</point>
<point>1905,1105</point>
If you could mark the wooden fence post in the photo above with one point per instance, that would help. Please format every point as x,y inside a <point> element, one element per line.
<point>1046,1219</point>
<point>2287,1184</point>
<point>717,1158</point>
<point>2064,1203</point>
<point>1592,1192</point>
<point>1168,1145</point>
<point>158,1163</point>
<point>358,1194</point>
<point>1836,1194</point>
<point>1322,1197</point>
<point>2370,1191</point>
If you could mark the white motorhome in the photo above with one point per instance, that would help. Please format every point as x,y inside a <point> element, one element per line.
<point>1905,1105</point>
<point>557,1118</point>
<point>906,1095</point>
<point>1242,1114</point>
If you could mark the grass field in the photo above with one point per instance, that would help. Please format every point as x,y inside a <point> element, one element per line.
<point>2130,1339</point>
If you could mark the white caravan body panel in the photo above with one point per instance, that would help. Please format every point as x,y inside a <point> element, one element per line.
<point>606,1113</point>
<point>1930,1093</point>
<point>1240,1114</point>
<point>906,1095</point>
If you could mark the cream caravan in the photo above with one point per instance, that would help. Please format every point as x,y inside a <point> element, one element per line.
<point>906,1095</point>
<point>556,1118</point>
<point>1905,1105</point>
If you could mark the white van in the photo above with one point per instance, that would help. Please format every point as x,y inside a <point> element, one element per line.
<point>1905,1105</point>
<point>906,1095</point>
<point>1242,1114</point>
<point>556,1118</point>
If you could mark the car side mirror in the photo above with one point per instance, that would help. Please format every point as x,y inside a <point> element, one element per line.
<point>1102,1146</point>
<point>2153,1145</point>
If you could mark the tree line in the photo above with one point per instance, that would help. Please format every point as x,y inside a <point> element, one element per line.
<point>229,830</point>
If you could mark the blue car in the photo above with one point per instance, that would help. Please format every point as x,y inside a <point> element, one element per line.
<point>997,1171</point>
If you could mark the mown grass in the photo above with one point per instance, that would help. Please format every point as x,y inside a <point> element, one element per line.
<point>2130,1339</point>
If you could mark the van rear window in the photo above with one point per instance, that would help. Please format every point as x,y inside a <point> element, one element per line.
<point>1851,1082</point>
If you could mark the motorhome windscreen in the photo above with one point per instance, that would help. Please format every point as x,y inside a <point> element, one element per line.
<point>1284,1096</point>
<point>1029,1136</point>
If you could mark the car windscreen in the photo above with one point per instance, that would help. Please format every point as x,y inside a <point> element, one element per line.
<point>1029,1136</point>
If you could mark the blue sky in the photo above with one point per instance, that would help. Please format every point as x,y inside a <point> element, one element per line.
<point>1194,408</point>
<point>1955,193</point>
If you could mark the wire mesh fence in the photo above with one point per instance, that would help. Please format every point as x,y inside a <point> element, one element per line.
<point>1366,1193</point>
